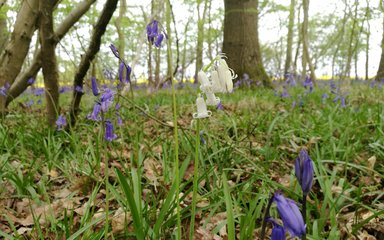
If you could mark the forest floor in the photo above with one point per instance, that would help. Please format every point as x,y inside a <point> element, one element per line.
<point>52,182</point>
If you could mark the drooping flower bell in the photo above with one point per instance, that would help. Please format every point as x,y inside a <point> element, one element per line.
<point>217,85</point>
<point>225,75</point>
<point>95,90</point>
<point>278,232</point>
<point>94,115</point>
<point>202,111</point>
<point>304,171</point>
<point>154,34</point>
<point>109,134</point>
<point>290,215</point>
<point>205,85</point>
<point>212,100</point>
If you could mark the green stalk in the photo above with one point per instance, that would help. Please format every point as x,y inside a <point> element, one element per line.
<point>266,215</point>
<point>195,178</point>
<point>304,213</point>
<point>175,128</point>
<point>106,173</point>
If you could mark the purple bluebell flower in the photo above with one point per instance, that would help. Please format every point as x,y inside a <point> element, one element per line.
<point>304,171</point>
<point>31,81</point>
<point>106,99</point>
<point>308,83</point>
<point>114,50</point>
<point>284,94</point>
<point>29,103</point>
<point>61,122</point>
<point>119,120</point>
<point>154,35</point>
<point>128,74</point>
<point>219,106</point>
<point>64,89</point>
<point>79,89</point>
<point>39,91</point>
<point>95,90</point>
<point>109,135</point>
<point>159,40</point>
<point>4,89</point>
<point>290,215</point>
<point>278,232</point>
<point>94,115</point>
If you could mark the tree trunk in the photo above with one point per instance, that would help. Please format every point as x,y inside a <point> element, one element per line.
<point>184,55</point>
<point>3,27</point>
<point>368,33</point>
<point>347,72</point>
<point>288,59</point>
<point>380,71</point>
<point>306,56</point>
<point>200,37</point>
<point>120,32</point>
<point>241,39</point>
<point>169,46</point>
<point>93,48</point>
<point>21,84</point>
<point>17,48</point>
<point>48,59</point>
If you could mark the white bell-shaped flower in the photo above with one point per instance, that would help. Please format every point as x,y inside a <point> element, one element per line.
<point>217,86</point>
<point>225,75</point>
<point>202,111</point>
<point>212,100</point>
<point>204,82</point>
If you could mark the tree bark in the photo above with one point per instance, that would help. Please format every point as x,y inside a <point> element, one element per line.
<point>380,71</point>
<point>241,39</point>
<point>3,27</point>
<point>347,72</point>
<point>288,59</point>
<point>306,56</point>
<point>48,58</point>
<point>93,48</point>
<point>200,37</point>
<point>21,84</point>
<point>17,48</point>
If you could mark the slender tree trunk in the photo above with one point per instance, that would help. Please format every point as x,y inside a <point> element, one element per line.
<point>21,84</point>
<point>168,18</point>
<point>48,58</point>
<point>347,72</point>
<point>184,54</point>
<point>380,71</point>
<point>93,48</point>
<point>306,56</point>
<point>340,37</point>
<point>200,36</point>
<point>299,40</point>
<point>288,59</point>
<point>17,48</point>
<point>241,39</point>
<point>368,33</point>
<point>119,29</point>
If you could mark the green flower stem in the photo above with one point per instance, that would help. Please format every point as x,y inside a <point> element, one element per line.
<point>304,213</point>
<point>266,215</point>
<point>195,178</point>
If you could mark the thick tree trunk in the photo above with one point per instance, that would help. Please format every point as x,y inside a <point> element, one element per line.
<point>288,58</point>
<point>48,58</point>
<point>380,71</point>
<point>241,39</point>
<point>3,27</point>
<point>17,48</point>
<point>21,84</point>
<point>93,48</point>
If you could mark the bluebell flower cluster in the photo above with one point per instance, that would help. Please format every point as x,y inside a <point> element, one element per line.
<point>61,122</point>
<point>4,89</point>
<point>122,66</point>
<point>156,33</point>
